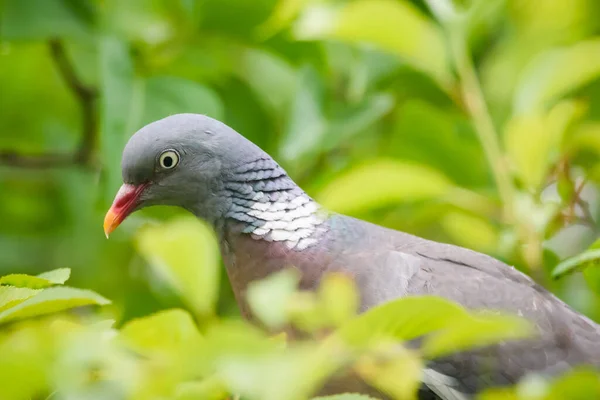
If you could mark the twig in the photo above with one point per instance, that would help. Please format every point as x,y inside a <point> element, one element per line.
<point>581,221</point>
<point>585,209</point>
<point>484,126</point>
<point>474,101</point>
<point>86,97</point>
<point>44,160</point>
<point>571,214</point>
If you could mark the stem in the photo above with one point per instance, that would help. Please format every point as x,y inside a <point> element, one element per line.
<point>484,126</point>
<point>45,160</point>
<point>86,96</point>
<point>474,100</point>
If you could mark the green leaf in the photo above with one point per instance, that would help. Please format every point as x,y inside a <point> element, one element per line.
<point>435,136</point>
<point>184,252</point>
<point>380,183</point>
<point>293,374</point>
<point>395,26</point>
<point>401,319</point>
<point>498,394</point>
<point>565,187</point>
<point>556,73</point>
<point>589,258</point>
<point>345,396</point>
<point>355,119</point>
<point>235,18</point>
<point>28,354</point>
<point>579,384</point>
<point>269,297</point>
<point>306,125</point>
<point>57,276</point>
<point>153,22</point>
<point>477,331</point>
<point>533,141</point>
<point>39,20</point>
<point>275,92</point>
<point>585,138</point>
<point>283,14</point>
<point>24,280</point>
<point>188,357</point>
<point>167,344</point>
<point>592,278</point>
<point>165,332</point>
<point>231,338</point>
<point>52,300</point>
<point>310,131</point>
<point>335,302</point>
<point>338,298</point>
<point>483,18</point>
<point>88,357</point>
<point>168,95</point>
<point>450,327</point>
<point>305,312</point>
<point>10,296</point>
<point>46,279</point>
<point>595,245</point>
<point>211,388</point>
<point>470,231</point>
<point>396,371</point>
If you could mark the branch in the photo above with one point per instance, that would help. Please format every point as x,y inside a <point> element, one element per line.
<point>585,209</point>
<point>45,160</point>
<point>86,97</point>
<point>475,102</point>
<point>484,126</point>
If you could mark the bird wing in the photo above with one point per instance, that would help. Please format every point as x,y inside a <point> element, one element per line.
<point>388,268</point>
<point>566,338</point>
<point>478,281</point>
<point>443,386</point>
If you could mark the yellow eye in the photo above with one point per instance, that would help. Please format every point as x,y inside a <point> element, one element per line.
<point>168,159</point>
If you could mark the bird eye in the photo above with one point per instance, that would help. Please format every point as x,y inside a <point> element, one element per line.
<point>169,159</point>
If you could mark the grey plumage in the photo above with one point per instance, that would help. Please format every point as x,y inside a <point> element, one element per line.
<point>265,222</point>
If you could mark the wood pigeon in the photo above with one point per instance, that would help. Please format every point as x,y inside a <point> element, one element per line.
<point>265,222</point>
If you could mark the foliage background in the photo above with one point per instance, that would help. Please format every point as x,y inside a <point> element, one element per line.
<point>475,123</point>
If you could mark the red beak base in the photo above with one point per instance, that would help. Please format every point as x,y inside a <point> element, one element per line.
<point>126,200</point>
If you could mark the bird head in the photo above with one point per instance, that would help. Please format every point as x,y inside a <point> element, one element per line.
<point>177,161</point>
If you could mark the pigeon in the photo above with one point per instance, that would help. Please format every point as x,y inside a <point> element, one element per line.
<point>265,222</point>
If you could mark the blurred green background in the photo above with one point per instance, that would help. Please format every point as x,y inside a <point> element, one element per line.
<point>477,124</point>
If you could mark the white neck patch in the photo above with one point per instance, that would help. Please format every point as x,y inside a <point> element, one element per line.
<point>272,207</point>
<point>293,218</point>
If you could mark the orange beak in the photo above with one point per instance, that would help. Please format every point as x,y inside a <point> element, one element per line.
<point>127,198</point>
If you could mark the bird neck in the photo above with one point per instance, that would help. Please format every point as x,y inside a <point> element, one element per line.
<point>267,205</point>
